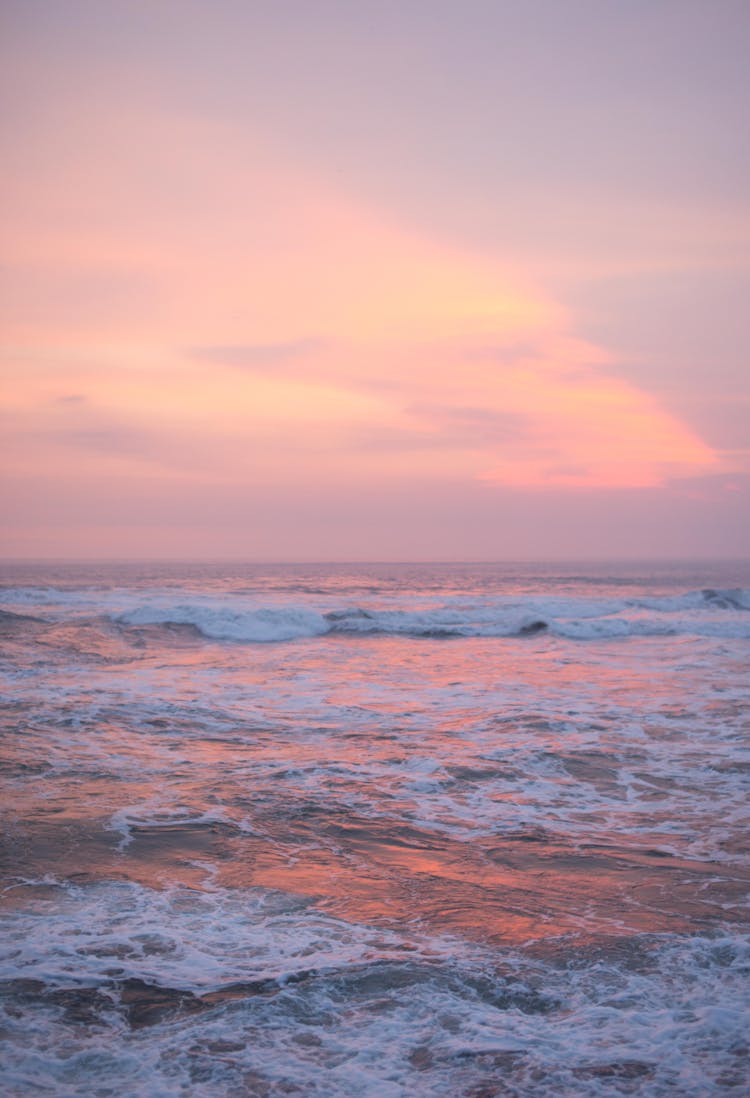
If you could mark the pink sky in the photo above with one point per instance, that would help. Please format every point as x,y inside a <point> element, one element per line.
<point>432,282</point>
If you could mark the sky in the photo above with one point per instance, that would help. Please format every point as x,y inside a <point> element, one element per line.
<point>335,280</point>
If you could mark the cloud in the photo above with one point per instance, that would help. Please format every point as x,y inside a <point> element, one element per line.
<point>324,344</point>
<point>503,352</point>
<point>258,356</point>
<point>118,440</point>
<point>476,427</point>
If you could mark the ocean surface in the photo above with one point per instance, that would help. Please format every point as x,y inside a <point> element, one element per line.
<point>385,831</point>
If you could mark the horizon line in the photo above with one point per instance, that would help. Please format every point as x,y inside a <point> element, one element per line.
<point>665,558</point>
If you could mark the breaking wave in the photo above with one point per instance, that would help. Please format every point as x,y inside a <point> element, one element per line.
<point>709,613</point>
<point>720,613</point>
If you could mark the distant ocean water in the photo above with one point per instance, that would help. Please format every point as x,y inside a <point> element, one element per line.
<point>386,830</point>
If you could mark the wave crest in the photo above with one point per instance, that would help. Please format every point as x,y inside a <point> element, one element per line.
<point>709,612</point>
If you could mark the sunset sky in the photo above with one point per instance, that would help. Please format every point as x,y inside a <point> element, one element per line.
<point>347,280</point>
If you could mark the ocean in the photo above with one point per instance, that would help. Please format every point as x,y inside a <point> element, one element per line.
<point>375,830</point>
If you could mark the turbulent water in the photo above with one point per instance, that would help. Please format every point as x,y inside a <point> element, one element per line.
<point>376,830</point>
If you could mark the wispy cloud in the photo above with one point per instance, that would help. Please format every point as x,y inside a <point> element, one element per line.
<point>469,426</point>
<point>117,440</point>
<point>258,356</point>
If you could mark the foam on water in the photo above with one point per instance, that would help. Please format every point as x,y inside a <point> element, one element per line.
<point>118,990</point>
<point>267,834</point>
<point>472,759</point>
<point>231,617</point>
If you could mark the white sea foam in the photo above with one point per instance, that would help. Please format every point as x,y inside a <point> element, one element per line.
<point>312,1005</point>
<point>263,624</point>
<point>707,612</point>
<point>357,751</point>
<point>197,941</point>
<point>575,621</point>
<point>155,814</point>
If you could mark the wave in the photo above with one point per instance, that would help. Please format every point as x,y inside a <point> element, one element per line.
<point>261,624</point>
<point>706,614</point>
<point>8,617</point>
<point>442,622</point>
<point>709,612</point>
<point>729,598</point>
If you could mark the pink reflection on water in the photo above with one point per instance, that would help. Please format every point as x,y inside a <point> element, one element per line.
<point>485,787</point>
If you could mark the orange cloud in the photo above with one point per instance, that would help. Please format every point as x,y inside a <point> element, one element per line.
<point>244,320</point>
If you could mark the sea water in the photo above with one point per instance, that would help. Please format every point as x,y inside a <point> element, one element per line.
<point>394,830</point>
